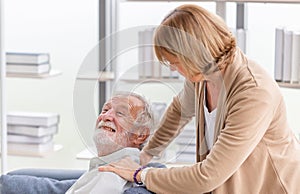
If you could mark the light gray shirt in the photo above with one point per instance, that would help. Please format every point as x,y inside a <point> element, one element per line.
<point>94,181</point>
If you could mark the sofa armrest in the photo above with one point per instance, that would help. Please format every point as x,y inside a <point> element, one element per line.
<point>57,174</point>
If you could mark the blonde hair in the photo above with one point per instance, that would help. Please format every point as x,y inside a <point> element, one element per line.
<point>200,39</point>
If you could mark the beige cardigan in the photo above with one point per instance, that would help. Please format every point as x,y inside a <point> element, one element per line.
<point>255,151</point>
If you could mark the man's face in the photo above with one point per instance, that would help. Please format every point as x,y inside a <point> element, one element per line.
<point>114,124</point>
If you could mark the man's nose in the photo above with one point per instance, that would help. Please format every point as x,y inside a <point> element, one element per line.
<point>108,116</point>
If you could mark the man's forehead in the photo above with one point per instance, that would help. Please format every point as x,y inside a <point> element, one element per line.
<point>126,100</point>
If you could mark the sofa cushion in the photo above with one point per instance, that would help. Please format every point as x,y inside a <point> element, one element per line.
<point>16,184</point>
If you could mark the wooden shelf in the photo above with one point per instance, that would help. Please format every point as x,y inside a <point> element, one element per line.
<point>52,73</point>
<point>100,76</point>
<point>153,80</point>
<point>56,148</point>
<point>289,85</point>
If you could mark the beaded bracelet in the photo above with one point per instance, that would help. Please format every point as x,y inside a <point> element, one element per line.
<point>135,174</point>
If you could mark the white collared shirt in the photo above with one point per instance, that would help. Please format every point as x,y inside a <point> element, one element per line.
<point>94,181</point>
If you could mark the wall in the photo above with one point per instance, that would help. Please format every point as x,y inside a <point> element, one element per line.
<point>68,30</point>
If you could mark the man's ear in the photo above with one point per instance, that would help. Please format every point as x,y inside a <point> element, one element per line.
<point>140,138</point>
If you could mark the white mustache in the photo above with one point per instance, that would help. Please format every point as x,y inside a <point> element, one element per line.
<point>107,124</point>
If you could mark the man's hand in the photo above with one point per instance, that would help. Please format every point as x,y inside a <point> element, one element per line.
<point>145,158</point>
<point>125,168</point>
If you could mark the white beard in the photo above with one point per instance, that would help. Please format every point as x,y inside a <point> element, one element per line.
<point>108,144</point>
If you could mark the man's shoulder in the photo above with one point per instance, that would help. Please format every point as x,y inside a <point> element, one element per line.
<point>133,153</point>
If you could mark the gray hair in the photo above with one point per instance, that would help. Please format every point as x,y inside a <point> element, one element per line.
<point>145,118</point>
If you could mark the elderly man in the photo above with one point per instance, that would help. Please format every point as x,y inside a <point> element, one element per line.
<point>121,129</point>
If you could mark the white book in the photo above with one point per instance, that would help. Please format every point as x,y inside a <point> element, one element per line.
<point>156,64</point>
<point>13,138</point>
<point>29,149</point>
<point>141,64</point>
<point>28,68</point>
<point>295,67</point>
<point>148,53</point>
<point>27,58</point>
<point>287,55</point>
<point>279,43</point>
<point>35,131</point>
<point>32,118</point>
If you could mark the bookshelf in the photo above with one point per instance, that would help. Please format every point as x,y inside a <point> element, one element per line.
<point>152,80</point>
<point>52,73</point>
<point>289,85</point>
<point>281,84</point>
<point>3,113</point>
<point>56,147</point>
<point>101,76</point>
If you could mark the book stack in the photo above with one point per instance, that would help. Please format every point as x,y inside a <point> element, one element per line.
<point>287,57</point>
<point>31,133</point>
<point>186,145</point>
<point>27,63</point>
<point>149,67</point>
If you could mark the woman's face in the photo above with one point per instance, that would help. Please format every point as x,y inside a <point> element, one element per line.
<point>176,65</point>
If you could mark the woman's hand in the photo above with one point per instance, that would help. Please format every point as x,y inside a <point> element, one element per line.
<point>125,168</point>
<point>145,158</point>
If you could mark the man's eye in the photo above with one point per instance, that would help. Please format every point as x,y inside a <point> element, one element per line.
<point>105,110</point>
<point>120,113</point>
